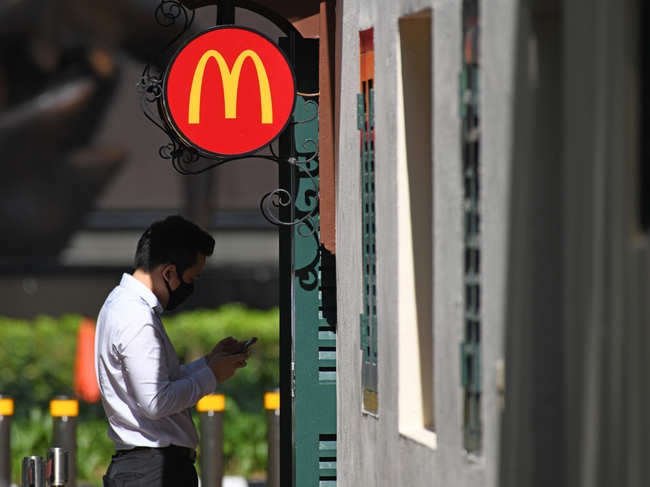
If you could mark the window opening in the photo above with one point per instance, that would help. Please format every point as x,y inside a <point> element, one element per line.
<point>368,319</point>
<point>470,139</point>
<point>415,228</point>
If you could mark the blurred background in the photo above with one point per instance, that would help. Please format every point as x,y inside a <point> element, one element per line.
<point>82,179</point>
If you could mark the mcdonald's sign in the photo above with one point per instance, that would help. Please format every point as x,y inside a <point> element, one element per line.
<point>228,91</point>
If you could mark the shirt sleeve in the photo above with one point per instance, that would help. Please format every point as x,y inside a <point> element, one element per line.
<point>193,367</point>
<point>147,376</point>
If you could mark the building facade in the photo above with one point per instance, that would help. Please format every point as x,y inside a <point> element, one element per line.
<point>484,172</point>
<point>420,427</point>
<point>491,243</point>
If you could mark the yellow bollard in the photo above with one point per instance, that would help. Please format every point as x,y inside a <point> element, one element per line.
<point>64,411</point>
<point>6,412</point>
<point>211,408</point>
<point>272,406</point>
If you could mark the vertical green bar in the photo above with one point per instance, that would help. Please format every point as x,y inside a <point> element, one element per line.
<point>368,319</point>
<point>471,347</point>
<point>365,201</point>
<point>315,396</point>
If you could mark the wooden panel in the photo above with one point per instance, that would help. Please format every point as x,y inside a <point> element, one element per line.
<point>366,56</point>
<point>327,168</point>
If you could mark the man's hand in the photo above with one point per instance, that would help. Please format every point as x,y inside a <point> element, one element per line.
<point>226,358</point>
<point>227,346</point>
<point>223,365</point>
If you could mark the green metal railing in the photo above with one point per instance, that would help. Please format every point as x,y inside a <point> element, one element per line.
<point>470,350</point>
<point>368,319</point>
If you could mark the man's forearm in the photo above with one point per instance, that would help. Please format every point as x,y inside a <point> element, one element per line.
<point>161,399</point>
<point>191,367</point>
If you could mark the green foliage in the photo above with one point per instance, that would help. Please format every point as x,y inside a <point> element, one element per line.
<point>242,457</point>
<point>29,436</point>
<point>195,333</point>
<point>249,456</point>
<point>37,359</point>
<point>32,435</point>
<point>94,449</point>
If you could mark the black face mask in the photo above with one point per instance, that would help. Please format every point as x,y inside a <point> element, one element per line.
<point>178,295</point>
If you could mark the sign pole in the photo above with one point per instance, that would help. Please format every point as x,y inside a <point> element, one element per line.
<point>226,13</point>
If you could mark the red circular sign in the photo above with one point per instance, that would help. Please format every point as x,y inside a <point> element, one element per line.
<point>229,91</point>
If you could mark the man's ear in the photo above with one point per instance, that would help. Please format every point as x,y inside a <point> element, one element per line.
<point>167,271</point>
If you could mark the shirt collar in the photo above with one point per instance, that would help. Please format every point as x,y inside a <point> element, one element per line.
<point>134,286</point>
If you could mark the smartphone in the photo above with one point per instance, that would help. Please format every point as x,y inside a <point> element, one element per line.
<point>248,344</point>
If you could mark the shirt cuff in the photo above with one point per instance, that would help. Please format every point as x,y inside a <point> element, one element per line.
<point>205,379</point>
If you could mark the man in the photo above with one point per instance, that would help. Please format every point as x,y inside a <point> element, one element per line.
<point>147,395</point>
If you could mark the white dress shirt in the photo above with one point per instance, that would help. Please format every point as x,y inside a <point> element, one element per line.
<point>146,393</point>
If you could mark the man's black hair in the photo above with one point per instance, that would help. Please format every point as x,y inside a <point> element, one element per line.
<point>173,240</point>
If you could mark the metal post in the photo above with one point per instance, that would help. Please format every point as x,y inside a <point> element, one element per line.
<point>33,474</point>
<point>225,12</point>
<point>6,412</point>
<point>56,467</point>
<point>64,413</point>
<point>272,406</point>
<point>211,408</point>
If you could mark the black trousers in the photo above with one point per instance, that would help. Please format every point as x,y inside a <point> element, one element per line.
<point>151,467</point>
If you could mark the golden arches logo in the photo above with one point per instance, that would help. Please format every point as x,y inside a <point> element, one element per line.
<point>230,80</point>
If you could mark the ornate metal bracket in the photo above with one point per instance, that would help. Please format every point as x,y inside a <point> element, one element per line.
<point>187,161</point>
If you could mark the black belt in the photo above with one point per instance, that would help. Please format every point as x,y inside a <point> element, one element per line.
<point>171,450</point>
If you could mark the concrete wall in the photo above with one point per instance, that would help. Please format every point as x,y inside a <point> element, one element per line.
<point>396,448</point>
<point>565,259</point>
<point>607,253</point>
<point>577,323</point>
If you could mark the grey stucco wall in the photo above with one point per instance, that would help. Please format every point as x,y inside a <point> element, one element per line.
<point>499,29</point>
<point>565,263</point>
<point>577,330</point>
<point>371,451</point>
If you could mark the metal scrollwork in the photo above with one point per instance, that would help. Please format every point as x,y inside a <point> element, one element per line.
<point>187,161</point>
<point>150,91</point>
<point>276,199</point>
<point>169,12</point>
<point>304,221</point>
<point>278,206</point>
<point>312,104</point>
<point>167,151</point>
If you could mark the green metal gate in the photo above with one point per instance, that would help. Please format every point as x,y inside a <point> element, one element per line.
<point>307,320</point>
